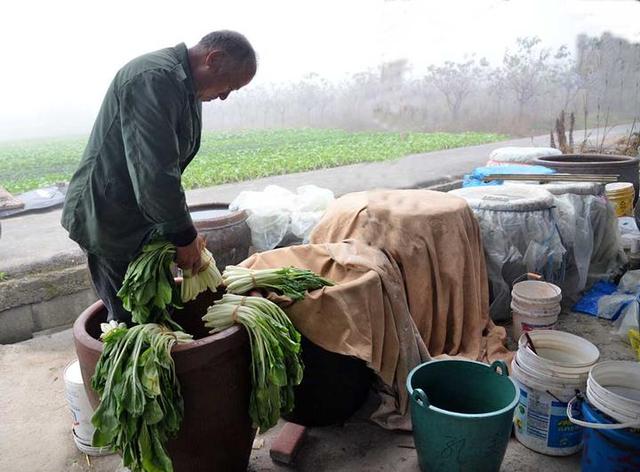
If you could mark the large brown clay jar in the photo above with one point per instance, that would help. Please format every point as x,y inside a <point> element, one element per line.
<point>216,432</point>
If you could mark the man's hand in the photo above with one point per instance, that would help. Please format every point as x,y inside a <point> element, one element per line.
<point>190,257</point>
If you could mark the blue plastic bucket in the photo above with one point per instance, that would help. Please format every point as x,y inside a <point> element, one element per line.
<point>611,450</point>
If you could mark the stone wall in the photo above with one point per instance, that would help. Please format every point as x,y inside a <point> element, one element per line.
<point>48,295</point>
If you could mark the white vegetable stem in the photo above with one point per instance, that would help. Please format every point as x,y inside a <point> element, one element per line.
<point>241,280</point>
<point>209,278</point>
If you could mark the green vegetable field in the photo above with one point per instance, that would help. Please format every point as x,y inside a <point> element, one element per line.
<point>234,156</point>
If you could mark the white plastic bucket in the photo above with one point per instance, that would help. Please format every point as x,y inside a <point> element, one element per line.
<point>80,410</point>
<point>535,305</point>
<point>91,450</point>
<point>547,381</point>
<point>558,354</point>
<point>613,388</point>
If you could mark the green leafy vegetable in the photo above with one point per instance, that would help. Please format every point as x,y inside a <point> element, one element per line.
<point>141,405</point>
<point>289,281</point>
<point>276,366</point>
<point>148,289</point>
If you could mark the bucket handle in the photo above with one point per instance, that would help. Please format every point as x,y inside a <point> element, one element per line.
<point>586,424</point>
<point>420,397</point>
<point>527,276</point>
<point>495,365</point>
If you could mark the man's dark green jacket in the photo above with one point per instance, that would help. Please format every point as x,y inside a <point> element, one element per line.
<point>128,187</point>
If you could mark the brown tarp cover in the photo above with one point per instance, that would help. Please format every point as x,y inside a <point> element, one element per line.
<point>411,274</point>
<point>435,240</point>
<point>364,315</point>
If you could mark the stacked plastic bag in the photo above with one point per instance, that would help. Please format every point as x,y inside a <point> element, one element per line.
<point>519,155</point>
<point>277,215</point>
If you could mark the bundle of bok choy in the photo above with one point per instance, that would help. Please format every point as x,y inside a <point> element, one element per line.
<point>141,405</point>
<point>208,278</point>
<point>149,291</point>
<point>289,281</point>
<point>276,366</point>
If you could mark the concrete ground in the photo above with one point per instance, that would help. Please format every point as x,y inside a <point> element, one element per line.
<point>35,431</point>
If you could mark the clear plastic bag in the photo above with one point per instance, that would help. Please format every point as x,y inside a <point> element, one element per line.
<point>630,282</point>
<point>624,310</point>
<point>611,307</point>
<point>516,243</point>
<point>311,198</point>
<point>310,204</point>
<point>269,214</point>
<point>588,230</point>
<point>628,320</point>
<point>268,227</point>
<point>277,214</point>
<point>623,307</point>
<point>303,222</point>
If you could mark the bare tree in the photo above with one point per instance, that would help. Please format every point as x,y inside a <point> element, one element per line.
<point>526,70</point>
<point>603,77</point>
<point>565,77</point>
<point>456,80</point>
<point>497,88</point>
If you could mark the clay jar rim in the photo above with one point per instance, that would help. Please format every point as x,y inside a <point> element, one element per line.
<point>596,160</point>
<point>216,343</point>
<point>219,222</point>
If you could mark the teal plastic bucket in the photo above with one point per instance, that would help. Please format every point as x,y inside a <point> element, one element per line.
<point>462,412</point>
<point>606,449</point>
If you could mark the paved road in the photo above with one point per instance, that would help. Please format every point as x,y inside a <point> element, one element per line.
<point>32,238</point>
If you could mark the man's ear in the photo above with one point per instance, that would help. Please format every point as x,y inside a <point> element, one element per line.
<point>214,60</point>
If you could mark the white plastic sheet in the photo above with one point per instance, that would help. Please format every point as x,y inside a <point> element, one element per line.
<point>608,255</point>
<point>571,213</point>
<point>587,226</point>
<point>277,214</point>
<point>519,155</point>
<point>520,234</point>
<point>589,232</point>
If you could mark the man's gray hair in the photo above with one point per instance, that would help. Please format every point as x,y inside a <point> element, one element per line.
<point>232,43</point>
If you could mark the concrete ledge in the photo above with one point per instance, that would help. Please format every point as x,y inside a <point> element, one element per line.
<point>16,324</point>
<point>20,323</point>
<point>46,294</point>
<point>40,286</point>
<point>62,310</point>
<point>52,292</point>
<point>45,263</point>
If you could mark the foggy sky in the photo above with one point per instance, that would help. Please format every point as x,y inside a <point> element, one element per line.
<point>59,57</point>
